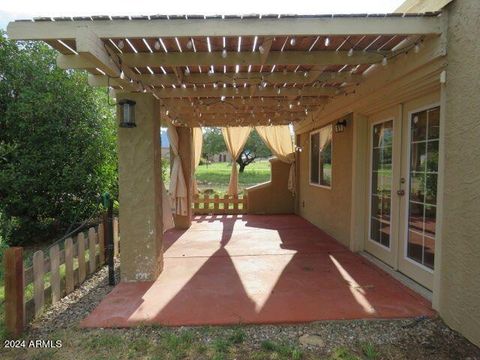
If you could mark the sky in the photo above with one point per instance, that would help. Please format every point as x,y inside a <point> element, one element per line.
<point>27,9</point>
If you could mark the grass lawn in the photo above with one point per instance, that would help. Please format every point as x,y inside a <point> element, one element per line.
<point>216,176</point>
<point>152,342</point>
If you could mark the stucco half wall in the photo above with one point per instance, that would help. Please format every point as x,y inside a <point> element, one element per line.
<point>272,197</point>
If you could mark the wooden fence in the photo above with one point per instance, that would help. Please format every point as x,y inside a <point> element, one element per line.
<point>228,204</point>
<point>52,275</point>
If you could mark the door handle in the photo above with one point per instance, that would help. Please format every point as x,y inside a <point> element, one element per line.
<point>400,192</point>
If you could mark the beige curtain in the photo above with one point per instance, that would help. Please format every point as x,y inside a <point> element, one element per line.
<point>178,187</point>
<point>197,150</point>
<point>166,210</point>
<point>279,140</point>
<point>235,139</point>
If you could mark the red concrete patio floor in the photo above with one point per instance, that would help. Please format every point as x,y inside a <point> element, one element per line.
<point>257,269</point>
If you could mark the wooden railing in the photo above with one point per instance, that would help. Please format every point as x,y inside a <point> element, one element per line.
<point>228,204</point>
<point>52,275</point>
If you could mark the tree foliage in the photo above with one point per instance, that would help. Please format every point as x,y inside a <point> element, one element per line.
<point>213,144</point>
<point>57,144</point>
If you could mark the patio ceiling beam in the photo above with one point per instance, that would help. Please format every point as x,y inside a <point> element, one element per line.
<point>300,26</point>
<point>91,49</point>
<point>230,92</point>
<point>239,103</point>
<point>239,78</point>
<point>325,57</point>
<point>321,58</point>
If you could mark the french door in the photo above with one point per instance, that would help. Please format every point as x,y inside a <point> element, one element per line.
<point>403,192</point>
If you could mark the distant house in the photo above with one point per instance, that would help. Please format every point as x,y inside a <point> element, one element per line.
<point>165,144</point>
<point>221,157</point>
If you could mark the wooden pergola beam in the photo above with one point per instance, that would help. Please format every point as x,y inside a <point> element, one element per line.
<point>319,58</point>
<point>91,49</point>
<point>326,57</point>
<point>230,92</point>
<point>298,26</point>
<point>239,78</point>
<point>233,103</point>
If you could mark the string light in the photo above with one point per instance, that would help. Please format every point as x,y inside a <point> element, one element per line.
<point>293,41</point>
<point>187,71</point>
<point>189,44</point>
<point>157,45</point>
<point>305,74</point>
<point>384,61</point>
<point>121,44</point>
<point>224,53</point>
<point>327,41</point>
<point>261,49</point>
<point>350,52</point>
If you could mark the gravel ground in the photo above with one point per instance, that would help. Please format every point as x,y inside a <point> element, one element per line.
<point>394,339</point>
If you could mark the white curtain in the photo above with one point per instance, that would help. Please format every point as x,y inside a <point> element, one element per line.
<point>178,187</point>
<point>279,140</point>
<point>235,139</point>
<point>197,153</point>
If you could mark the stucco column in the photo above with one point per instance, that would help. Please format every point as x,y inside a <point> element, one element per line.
<point>140,193</point>
<point>185,150</point>
<point>457,249</point>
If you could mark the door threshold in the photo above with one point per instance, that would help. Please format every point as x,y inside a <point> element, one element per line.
<point>405,280</point>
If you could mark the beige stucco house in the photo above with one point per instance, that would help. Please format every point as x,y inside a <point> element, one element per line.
<point>386,112</point>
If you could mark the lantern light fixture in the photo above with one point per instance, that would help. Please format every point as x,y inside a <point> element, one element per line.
<point>340,126</point>
<point>127,113</point>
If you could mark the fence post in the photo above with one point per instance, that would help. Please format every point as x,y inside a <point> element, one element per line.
<point>14,291</point>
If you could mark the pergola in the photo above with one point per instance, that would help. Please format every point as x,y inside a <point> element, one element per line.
<point>232,70</point>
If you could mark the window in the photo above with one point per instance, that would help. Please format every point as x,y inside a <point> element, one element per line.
<point>321,157</point>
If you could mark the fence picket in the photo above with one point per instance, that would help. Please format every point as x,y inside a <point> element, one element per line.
<point>38,282</point>
<point>92,237</point>
<point>101,245</point>
<point>116,239</point>
<point>82,271</point>
<point>220,205</point>
<point>55,272</point>
<point>69,284</point>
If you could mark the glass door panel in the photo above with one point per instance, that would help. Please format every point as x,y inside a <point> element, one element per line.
<point>422,194</point>
<point>381,183</point>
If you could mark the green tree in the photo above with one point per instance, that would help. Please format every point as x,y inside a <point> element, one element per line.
<point>213,142</point>
<point>57,144</point>
<point>254,148</point>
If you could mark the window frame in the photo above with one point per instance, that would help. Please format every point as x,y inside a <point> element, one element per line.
<point>319,131</point>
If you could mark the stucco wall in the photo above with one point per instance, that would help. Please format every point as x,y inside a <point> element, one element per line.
<point>460,254</point>
<point>140,193</point>
<point>329,209</point>
<point>272,197</point>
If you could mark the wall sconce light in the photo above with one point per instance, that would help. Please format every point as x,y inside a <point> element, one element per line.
<point>340,126</point>
<point>127,113</point>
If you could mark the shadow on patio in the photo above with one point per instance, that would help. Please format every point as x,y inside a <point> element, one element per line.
<point>257,269</point>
